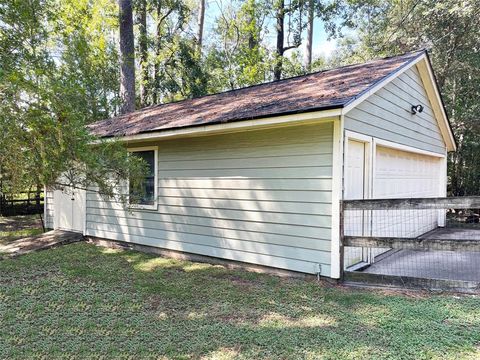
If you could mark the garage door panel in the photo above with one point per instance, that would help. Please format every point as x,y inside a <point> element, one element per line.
<point>401,174</point>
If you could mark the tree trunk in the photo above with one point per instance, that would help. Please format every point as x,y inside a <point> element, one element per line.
<point>277,71</point>
<point>201,20</point>
<point>127,57</point>
<point>308,49</point>
<point>143,46</point>
<point>252,26</point>
<point>158,48</point>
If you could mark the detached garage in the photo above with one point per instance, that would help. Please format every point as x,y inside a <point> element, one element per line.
<point>257,175</point>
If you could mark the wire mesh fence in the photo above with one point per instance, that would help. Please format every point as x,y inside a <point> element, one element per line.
<point>436,239</point>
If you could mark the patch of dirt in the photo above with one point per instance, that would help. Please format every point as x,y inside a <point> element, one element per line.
<point>16,223</point>
<point>235,279</point>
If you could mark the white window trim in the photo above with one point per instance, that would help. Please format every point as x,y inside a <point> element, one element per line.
<point>155,189</point>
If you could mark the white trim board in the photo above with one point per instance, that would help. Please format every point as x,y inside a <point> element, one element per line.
<point>430,84</point>
<point>45,207</point>
<point>390,144</point>
<point>396,146</point>
<point>337,195</point>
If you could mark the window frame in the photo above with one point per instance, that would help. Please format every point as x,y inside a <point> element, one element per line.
<point>154,206</point>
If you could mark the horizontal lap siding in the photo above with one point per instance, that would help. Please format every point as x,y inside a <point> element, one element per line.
<point>261,197</point>
<point>386,115</point>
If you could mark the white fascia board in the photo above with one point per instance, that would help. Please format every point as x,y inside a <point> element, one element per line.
<point>428,79</point>
<point>243,125</point>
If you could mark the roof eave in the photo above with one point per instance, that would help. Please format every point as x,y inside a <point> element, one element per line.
<point>274,120</point>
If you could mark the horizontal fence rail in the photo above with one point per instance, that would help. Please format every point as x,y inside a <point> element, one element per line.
<point>459,202</point>
<point>413,243</point>
<point>21,203</point>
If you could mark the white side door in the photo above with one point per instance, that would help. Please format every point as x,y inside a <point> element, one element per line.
<point>69,210</point>
<point>355,174</point>
<point>356,180</point>
<point>78,210</point>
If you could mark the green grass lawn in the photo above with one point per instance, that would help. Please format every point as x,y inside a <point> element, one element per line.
<point>81,301</point>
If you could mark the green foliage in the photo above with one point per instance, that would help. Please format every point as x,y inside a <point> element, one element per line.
<point>237,57</point>
<point>59,70</point>
<point>51,82</point>
<point>293,66</point>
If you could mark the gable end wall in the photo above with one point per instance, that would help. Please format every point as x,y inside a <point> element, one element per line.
<point>386,115</point>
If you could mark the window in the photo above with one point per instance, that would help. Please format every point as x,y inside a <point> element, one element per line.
<point>147,198</point>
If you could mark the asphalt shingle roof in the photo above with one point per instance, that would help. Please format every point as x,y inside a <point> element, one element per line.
<point>322,90</point>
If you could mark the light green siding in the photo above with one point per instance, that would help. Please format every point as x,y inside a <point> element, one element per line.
<point>386,115</point>
<point>261,197</point>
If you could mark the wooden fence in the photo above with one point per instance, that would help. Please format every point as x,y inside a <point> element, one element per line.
<point>23,203</point>
<point>417,242</point>
<point>445,238</point>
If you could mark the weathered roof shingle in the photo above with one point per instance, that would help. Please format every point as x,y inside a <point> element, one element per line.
<point>318,91</point>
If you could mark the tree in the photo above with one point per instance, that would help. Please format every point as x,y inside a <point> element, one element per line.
<point>293,11</point>
<point>334,15</point>
<point>236,57</point>
<point>127,57</point>
<point>309,40</point>
<point>200,24</point>
<point>143,51</point>
<point>51,53</point>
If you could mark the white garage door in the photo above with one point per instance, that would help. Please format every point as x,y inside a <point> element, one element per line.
<point>401,174</point>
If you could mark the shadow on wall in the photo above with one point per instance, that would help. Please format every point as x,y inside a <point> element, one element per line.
<point>257,201</point>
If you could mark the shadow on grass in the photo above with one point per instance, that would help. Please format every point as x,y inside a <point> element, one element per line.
<point>17,227</point>
<point>85,300</point>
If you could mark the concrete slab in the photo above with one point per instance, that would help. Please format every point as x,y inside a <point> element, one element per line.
<point>39,242</point>
<point>443,265</point>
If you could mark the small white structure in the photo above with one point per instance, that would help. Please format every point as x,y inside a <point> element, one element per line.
<point>256,175</point>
